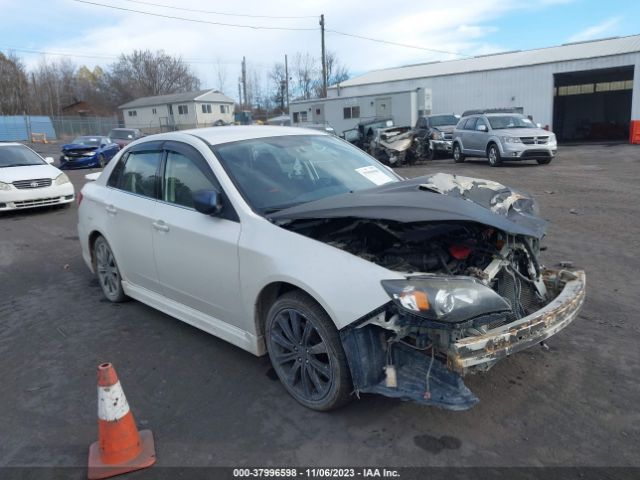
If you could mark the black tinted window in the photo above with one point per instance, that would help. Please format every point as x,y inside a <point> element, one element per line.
<point>182,178</point>
<point>139,174</point>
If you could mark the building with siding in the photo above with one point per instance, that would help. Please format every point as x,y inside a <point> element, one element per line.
<point>178,111</point>
<point>583,91</point>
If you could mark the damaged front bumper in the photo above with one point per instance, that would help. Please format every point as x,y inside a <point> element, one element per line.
<point>481,352</point>
<point>433,376</point>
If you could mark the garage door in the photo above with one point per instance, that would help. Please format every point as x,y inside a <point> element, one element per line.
<point>593,105</point>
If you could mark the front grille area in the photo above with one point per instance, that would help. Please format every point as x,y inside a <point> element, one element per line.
<point>526,303</point>
<point>77,153</point>
<point>535,140</point>
<point>535,154</point>
<point>37,202</point>
<point>33,183</point>
<point>448,136</point>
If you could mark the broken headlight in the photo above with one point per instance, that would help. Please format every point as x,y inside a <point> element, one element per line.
<point>445,299</point>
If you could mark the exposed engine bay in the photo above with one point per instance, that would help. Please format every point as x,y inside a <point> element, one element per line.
<point>473,289</point>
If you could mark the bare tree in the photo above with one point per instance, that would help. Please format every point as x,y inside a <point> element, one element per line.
<point>146,73</point>
<point>278,85</point>
<point>305,74</point>
<point>13,85</point>
<point>53,86</point>
<point>221,75</point>
<point>336,73</point>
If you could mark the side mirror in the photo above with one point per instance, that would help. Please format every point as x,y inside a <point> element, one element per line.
<point>482,128</point>
<point>102,145</point>
<point>208,202</point>
<point>49,160</point>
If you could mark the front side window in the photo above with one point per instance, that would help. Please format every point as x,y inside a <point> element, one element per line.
<point>279,172</point>
<point>471,123</point>
<point>138,174</point>
<point>182,178</point>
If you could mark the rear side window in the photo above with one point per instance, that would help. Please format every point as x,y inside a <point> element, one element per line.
<point>138,174</point>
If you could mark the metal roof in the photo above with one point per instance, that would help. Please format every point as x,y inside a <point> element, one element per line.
<point>212,96</point>
<point>568,51</point>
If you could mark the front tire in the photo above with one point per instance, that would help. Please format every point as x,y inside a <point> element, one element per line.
<point>458,156</point>
<point>306,352</point>
<point>107,271</point>
<point>101,161</point>
<point>544,161</point>
<point>493,154</point>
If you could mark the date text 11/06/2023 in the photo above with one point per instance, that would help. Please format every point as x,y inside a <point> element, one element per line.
<point>315,473</point>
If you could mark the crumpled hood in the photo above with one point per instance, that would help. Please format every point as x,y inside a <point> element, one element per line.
<point>77,146</point>
<point>438,197</point>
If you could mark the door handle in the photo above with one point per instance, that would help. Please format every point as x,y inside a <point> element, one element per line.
<point>111,209</point>
<point>160,226</point>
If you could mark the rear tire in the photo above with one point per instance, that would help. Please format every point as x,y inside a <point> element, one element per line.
<point>107,271</point>
<point>306,352</point>
<point>458,156</point>
<point>544,161</point>
<point>493,154</point>
<point>101,161</point>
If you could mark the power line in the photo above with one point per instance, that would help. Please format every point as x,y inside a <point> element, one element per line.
<point>194,20</point>
<point>395,43</point>
<point>195,10</point>
<point>192,60</point>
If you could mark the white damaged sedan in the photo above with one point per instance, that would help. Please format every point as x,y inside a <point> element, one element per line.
<point>295,244</point>
<point>27,180</point>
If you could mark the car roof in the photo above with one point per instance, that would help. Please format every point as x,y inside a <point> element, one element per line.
<point>11,144</point>
<point>234,133</point>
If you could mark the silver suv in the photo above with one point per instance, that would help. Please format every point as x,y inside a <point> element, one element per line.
<point>502,136</point>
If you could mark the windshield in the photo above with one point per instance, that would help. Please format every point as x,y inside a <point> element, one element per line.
<point>279,172</point>
<point>19,156</point>
<point>88,141</point>
<point>440,120</point>
<point>510,121</point>
<point>122,134</point>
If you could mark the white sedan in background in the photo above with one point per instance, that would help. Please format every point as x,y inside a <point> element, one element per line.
<point>27,180</point>
<point>294,243</point>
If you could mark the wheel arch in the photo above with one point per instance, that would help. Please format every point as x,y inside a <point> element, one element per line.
<point>93,236</point>
<point>269,294</point>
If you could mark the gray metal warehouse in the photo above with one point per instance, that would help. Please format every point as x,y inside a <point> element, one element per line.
<point>583,91</point>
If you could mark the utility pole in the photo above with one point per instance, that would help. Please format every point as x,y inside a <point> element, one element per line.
<point>244,81</point>
<point>240,92</point>
<point>324,60</point>
<point>286,77</point>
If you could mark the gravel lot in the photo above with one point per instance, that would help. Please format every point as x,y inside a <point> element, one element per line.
<point>209,403</point>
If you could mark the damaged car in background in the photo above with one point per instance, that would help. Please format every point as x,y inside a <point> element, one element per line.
<point>303,247</point>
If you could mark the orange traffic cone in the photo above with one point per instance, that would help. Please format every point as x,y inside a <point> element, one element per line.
<point>120,447</point>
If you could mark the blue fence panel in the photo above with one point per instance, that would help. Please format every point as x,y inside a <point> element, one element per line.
<point>19,127</point>
<point>13,128</point>
<point>42,124</point>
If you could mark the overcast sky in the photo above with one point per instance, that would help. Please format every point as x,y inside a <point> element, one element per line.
<point>96,35</point>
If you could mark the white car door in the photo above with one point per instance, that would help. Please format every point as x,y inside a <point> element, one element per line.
<point>196,254</point>
<point>130,208</point>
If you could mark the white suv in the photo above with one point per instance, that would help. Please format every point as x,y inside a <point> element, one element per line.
<point>502,136</point>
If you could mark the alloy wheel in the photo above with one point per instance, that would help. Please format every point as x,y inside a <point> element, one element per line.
<point>300,355</point>
<point>107,271</point>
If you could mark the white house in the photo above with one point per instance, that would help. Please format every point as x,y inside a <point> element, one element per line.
<point>178,111</point>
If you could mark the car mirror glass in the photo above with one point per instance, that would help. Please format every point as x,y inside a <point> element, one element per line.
<point>208,202</point>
